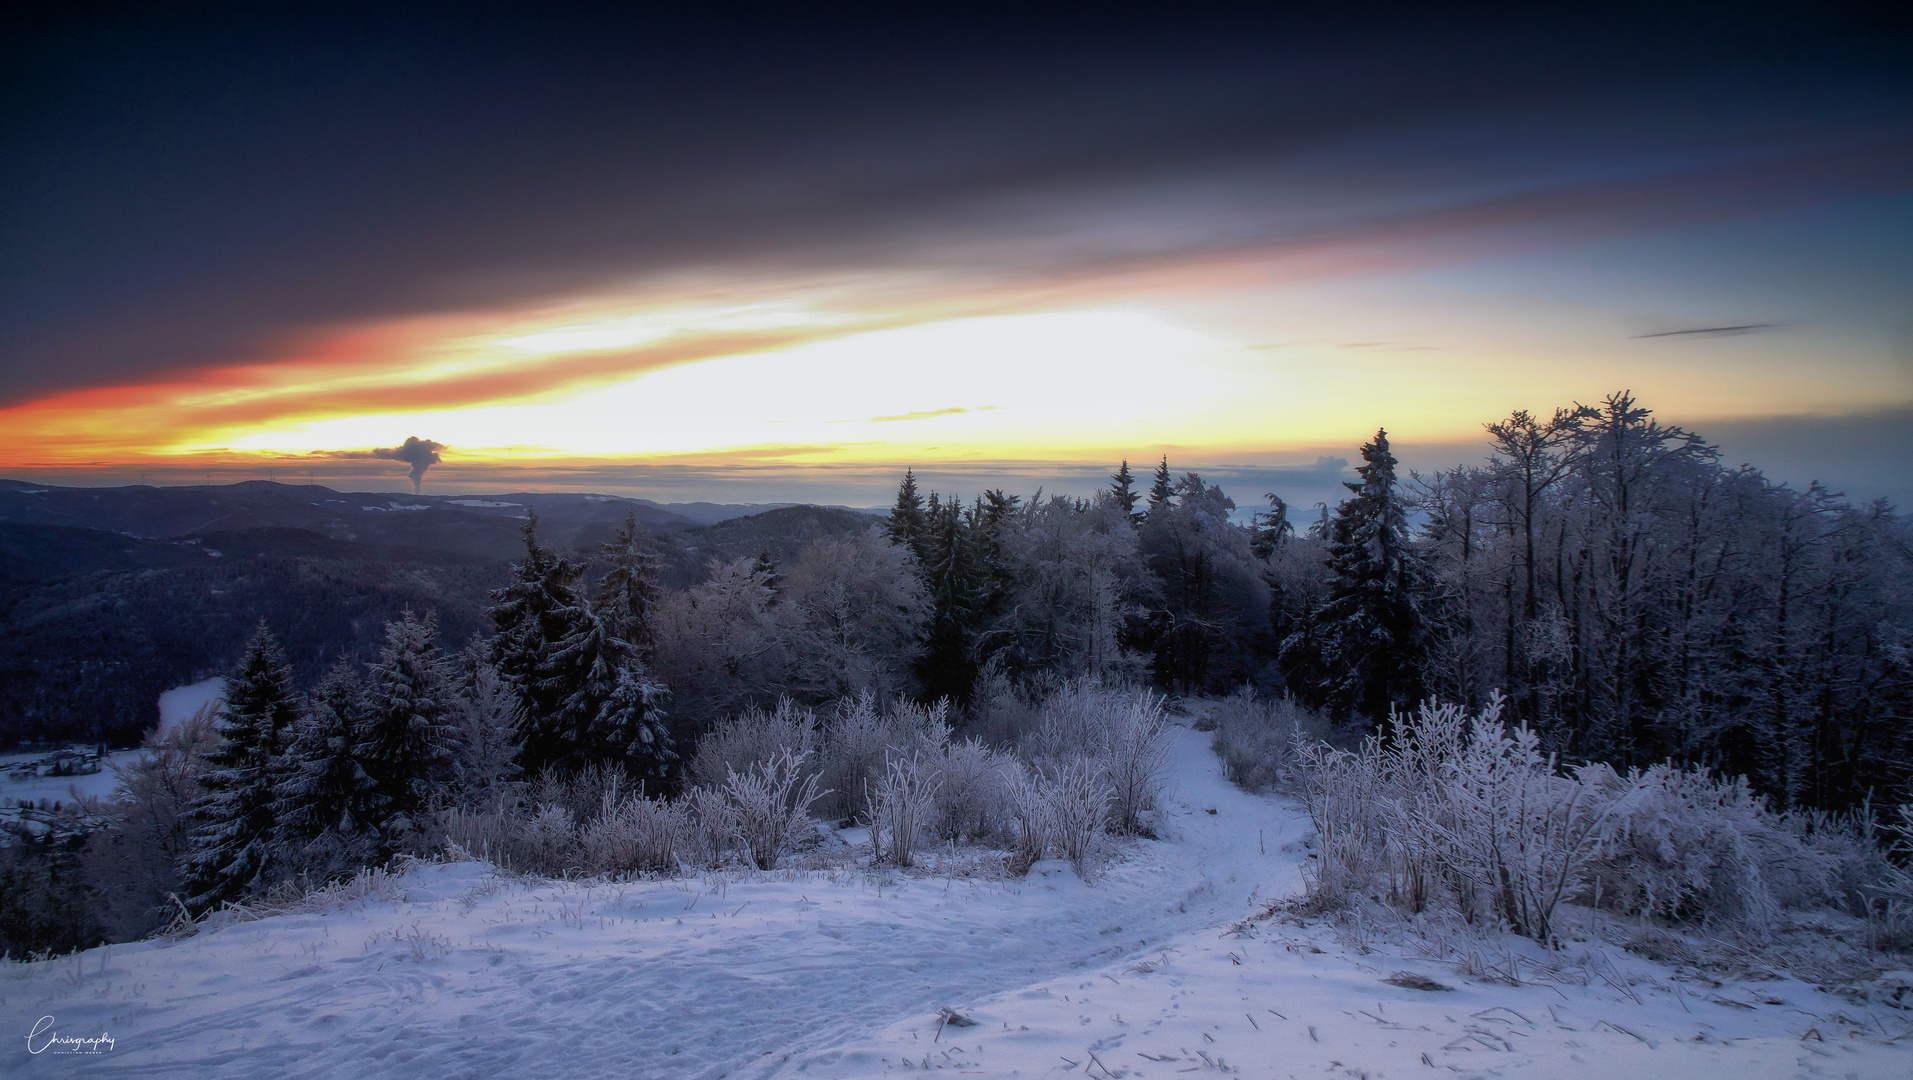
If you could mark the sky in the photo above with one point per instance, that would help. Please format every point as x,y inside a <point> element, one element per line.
<point>741,259</point>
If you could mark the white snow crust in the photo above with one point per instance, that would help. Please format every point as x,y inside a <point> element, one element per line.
<point>1163,965</point>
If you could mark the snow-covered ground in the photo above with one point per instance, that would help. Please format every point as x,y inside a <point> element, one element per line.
<point>181,702</point>
<point>175,705</point>
<point>1150,971</point>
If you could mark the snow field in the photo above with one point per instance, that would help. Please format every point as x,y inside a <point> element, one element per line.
<point>1159,967</point>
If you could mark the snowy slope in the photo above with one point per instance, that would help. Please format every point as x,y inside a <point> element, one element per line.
<point>453,971</point>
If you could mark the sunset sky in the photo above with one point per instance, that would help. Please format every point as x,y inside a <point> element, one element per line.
<point>737,260</point>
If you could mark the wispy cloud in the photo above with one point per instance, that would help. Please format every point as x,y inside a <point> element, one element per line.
<point>952,411</point>
<point>1715,331</point>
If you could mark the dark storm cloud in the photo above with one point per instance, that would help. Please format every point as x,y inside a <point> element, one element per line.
<point>180,189</point>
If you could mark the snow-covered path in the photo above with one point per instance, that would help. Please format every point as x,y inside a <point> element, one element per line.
<point>469,975</point>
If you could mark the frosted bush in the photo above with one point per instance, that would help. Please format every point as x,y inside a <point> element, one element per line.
<point>1461,805</point>
<point>544,841</point>
<point>771,805</point>
<point>1034,816</point>
<point>1135,749</point>
<point>712,827</point>
<point>899,805</point>
<point>1470,812</point>
<point>1255,738</point>
<point>1343,794</point>
<point>1691,845</point>
<point>1079,798</point>
<point>753,738</point>
<point>634,833</point>
<point>972,798</point>
<point>860,737</point>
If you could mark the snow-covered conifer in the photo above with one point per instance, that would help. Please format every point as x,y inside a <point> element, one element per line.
<point>1370,632</point>
<point>326,802</point>
<point>232,843</point>
<point>407,740</point>
<point>1122,489</point>
<point>628,593</point>
<point>908,522</point>
<point>485,754</point>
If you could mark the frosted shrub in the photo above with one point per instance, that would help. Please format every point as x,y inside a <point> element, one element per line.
<point>1503,824</point>
<point>1254,737</point>
<point>1123,733</point>
<point>712,827</point>
<point>1034,816</point>
<point>544,841</point>
<point>1000,716</point>
<point>1343,793</point>
<point>1689,845</point>
<point>753,738</point>
<point>1459,805</point>
<point>972,799</point>
<point>634,833</point>
<point>1074,721</point>
<point>1135,751</point>
<point>1079,798</point>
<point>771,804</point>
<point>860,737</point>
<point>899,805</point>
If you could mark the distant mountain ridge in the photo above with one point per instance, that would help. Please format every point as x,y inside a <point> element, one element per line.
<point>110,595</point>
<point>383,524</point>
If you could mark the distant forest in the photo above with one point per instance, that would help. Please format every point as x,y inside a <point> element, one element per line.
<point>1634,599</point>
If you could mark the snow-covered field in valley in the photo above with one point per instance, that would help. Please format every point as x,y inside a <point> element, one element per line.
<point>1170,962</point>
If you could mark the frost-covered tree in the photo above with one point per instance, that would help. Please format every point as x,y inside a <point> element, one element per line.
<point>857,616</point>
<point>1162,491</point>
<point>537,609</point>
<point>908,523</point>
<point>1122,488</point>
<point>565,661</point>
<point>486,717</point>
<point>406,741</point>
<point>327,804</point>
<point>1272,527</point>
<point>724,646</point>
<point>630,727</point>
<point>1370,633</point>
<point>628,593</point>
<point>1214,602</point>
<point>232,843</point>
<point>1076,581</point>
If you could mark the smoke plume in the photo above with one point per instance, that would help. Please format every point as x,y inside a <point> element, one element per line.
<point>420,454</point>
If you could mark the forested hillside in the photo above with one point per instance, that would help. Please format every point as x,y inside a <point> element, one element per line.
<point>110,596</point>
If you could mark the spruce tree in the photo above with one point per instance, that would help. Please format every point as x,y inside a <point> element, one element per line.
<point>908,522</point>
<point>1162,493</point>
<point>538,609</point>
<point>485,760</point>
<point>628,593</point>
<point>952,577</point>
<point>327,805</point>
<point>233,839</point>
<point>1122,489</point>
<point>1370,632</point>
<point>584,666</point>
<point>407,741</point>
<point>1272,527</point>
<point>630,724</point>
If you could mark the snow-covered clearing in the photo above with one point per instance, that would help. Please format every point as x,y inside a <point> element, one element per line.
<point>181,703</point>
<point>454,971</point>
